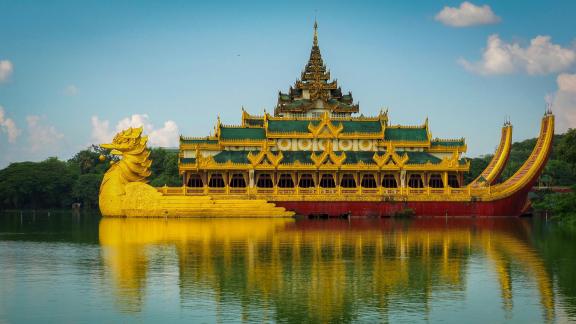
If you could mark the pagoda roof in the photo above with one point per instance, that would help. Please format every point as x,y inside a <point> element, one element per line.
<point>409,134</point>
<point>446,142</point>
<point>255,122</point>
<point>314,85</point>
<point>289,126</point>
<point>254,130</point>
<point>232,156</point>
<point>421,158</point>
<point>242,133</point>
<point>360,126</point>
<point>301,126</point>
<point>190,140</point>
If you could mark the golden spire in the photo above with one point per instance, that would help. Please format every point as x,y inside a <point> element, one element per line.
<point>315,33</point>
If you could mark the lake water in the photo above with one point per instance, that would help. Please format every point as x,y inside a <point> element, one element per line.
<point>70,268</point>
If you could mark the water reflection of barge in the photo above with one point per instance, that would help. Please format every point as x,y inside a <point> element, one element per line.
<point>323,270</point>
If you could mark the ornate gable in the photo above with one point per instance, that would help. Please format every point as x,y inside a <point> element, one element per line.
<point>328,156</point>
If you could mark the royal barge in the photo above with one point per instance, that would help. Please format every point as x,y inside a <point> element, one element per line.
<point>314,156</point>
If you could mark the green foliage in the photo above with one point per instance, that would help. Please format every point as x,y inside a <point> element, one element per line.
<point>567,146</point>
<point>36,185</point>
<point>477,165</point>
<point>560,169</point>
<point>164,168</point>
<point>57,184</point>
<point>561,206</point>
<point>86,189</point>
<point>558,173</point>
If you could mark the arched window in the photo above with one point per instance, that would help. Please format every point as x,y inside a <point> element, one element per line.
<point>348,181</point>
<point>368,181</point>
<point>389,181</point>
<point>237,181</point>
<point>453,181</point>
<point>415,181</point>
<point>285,181</point>
<point>195,181</point>
<point>306,181</point>
<point>264,181</point>
<point>216,181</point>
<point>327,181</point>
<point>435,181</point>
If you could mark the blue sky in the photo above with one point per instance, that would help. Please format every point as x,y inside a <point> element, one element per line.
<point>75,71</point>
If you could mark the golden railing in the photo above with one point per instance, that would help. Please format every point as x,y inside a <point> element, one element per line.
<point>336,193</point>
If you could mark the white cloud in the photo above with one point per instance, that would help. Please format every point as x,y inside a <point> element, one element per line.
<point>564,102</point>
<point>6,69</point>
<point>566,82</point>
<point>101,130</point>
<point>166,136</point>
<point>466,15</point>
<point>42,137</point>
<point>540,57</point>
<point>8,126</point>
<point>70,90</point>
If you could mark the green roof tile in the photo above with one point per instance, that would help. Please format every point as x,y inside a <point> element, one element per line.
<point>293,156</point>
<point>352,126</point>
<point>255,122</point>
<point>447,143</point>
<point>289,126</point>
<point>298,103</point>
<point>341,104</point>
<point>187,160</point>
<point>242,133</point>
<point>198,141</point>
<point>406,134</point>
<point>301,126</point>
<point>355,157</point>
<point>420,157</point>
<point>233,156</point>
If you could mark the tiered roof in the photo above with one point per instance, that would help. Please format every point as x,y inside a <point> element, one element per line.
<point>256,130</point>
<point>254,140</point>
<point>314,90</point>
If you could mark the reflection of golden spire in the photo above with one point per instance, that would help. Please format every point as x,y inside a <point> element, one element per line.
<point>315,33</point>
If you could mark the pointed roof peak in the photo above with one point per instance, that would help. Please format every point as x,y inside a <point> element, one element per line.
<point>315,85</point>
<point>315,32</point>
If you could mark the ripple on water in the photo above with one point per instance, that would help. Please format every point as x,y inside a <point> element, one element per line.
<point>150,270</point>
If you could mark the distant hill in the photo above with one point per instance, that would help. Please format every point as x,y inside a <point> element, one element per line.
<point>558,172</point>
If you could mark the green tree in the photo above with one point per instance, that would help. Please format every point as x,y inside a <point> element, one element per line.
<point>477,165</point>
<point>43,184</point>
<point>88,160</point>
<point>86,189</point>
<point>567,147</point>
<point>558,173</point>
<point>561,206</point>
<point>164,168</point>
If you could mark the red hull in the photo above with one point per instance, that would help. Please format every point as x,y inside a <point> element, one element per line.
<point>512,206</point>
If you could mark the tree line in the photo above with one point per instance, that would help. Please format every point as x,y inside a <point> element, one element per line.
<point>559,171</point>
<point>54,183</point>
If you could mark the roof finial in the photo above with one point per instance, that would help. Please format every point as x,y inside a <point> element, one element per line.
<point>315,32</point>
